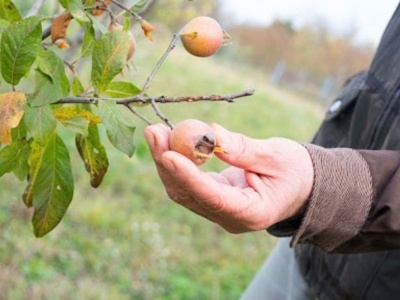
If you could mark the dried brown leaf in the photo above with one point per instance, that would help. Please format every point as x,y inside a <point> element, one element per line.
<point>147,29</point>
<point>60,26</point>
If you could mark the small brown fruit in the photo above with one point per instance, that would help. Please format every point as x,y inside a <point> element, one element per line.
<point>62,44</point>
<point>101,7</point>
<point>116,26</point>
<point>202,36</point>
<point>193,139</point>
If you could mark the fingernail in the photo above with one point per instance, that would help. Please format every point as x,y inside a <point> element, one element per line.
<point>149,138</point>
<point>220,136</point>
<point>168,164</point>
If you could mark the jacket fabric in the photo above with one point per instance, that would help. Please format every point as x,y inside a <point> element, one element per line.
<point>366,115</point>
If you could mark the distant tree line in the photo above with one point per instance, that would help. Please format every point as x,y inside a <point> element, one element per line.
<point>311,53</point>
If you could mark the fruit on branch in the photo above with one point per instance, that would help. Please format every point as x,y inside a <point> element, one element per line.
<point>100,6</point>
<point>116,26</point>
<point>202,36</point>
<point>195,140</point>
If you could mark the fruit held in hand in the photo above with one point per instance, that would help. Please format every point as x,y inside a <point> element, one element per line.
<point>193,139</point>
<point>202,36</point>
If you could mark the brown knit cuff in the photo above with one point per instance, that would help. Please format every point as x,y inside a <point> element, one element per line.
<point>340,200</point>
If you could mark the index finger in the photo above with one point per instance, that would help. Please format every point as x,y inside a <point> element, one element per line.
<point>157,138</point>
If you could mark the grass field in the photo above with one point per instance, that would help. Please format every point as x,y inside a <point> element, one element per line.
<point>126,240</point>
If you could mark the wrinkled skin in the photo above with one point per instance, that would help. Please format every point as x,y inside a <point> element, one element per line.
<point>268,181</point>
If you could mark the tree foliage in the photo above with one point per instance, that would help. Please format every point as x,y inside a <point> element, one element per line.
<point>31,147</point>
<point>33,49</point>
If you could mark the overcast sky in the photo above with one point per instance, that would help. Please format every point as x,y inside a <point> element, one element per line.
<point>368,17</point>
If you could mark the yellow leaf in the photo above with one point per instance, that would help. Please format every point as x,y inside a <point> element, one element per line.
<point>12,107</point>
<point>64,114</point>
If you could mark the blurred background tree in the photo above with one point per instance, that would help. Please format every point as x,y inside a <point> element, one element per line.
<point>175,13</point>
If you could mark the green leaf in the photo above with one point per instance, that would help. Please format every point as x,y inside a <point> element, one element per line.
<point>8,11</point>
<point>46,91</point>
<point>21,168</point>
<point>88,40</point>
<point>40,122</point>
<point>19,132</point>
<point>98,25</point>
<point>53,187</point>
<point>64,84</point>
<point>35,161</point>
<point>78,125</point>
<point>7,156</point>
<point>77,10</point>
<point>139,5</point>
<point>20,44</point>
<point>109,58</point>
<point>77,87</point>
<point>122,89</point>
<point>93,155</point>
<point>119,133</point>
<point>14,156</point>
<point>50,64</point>
<point>64,3</point>
<point>127,24</point>
<point>3,25</point>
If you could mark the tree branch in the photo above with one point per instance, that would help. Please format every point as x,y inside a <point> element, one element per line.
<point>139,99</point>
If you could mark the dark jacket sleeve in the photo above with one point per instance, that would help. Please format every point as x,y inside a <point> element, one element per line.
<point>355,202</point>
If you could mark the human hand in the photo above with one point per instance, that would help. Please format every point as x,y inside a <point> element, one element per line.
<point>270,180</point>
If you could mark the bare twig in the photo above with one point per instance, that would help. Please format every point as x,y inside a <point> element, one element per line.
<point>171,46</point>
<point>35,8</point>
<point>123,7</point>
<point>160,114</point>
<point>46,33</point>
<point>146,85</point>
<point>139,115</point>
<point>144,9</point>
<point>138,99</point>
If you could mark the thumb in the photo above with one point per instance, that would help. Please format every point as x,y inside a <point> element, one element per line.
<point>241,151</point>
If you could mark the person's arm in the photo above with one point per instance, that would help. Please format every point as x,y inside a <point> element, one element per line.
<point>355,201</point>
